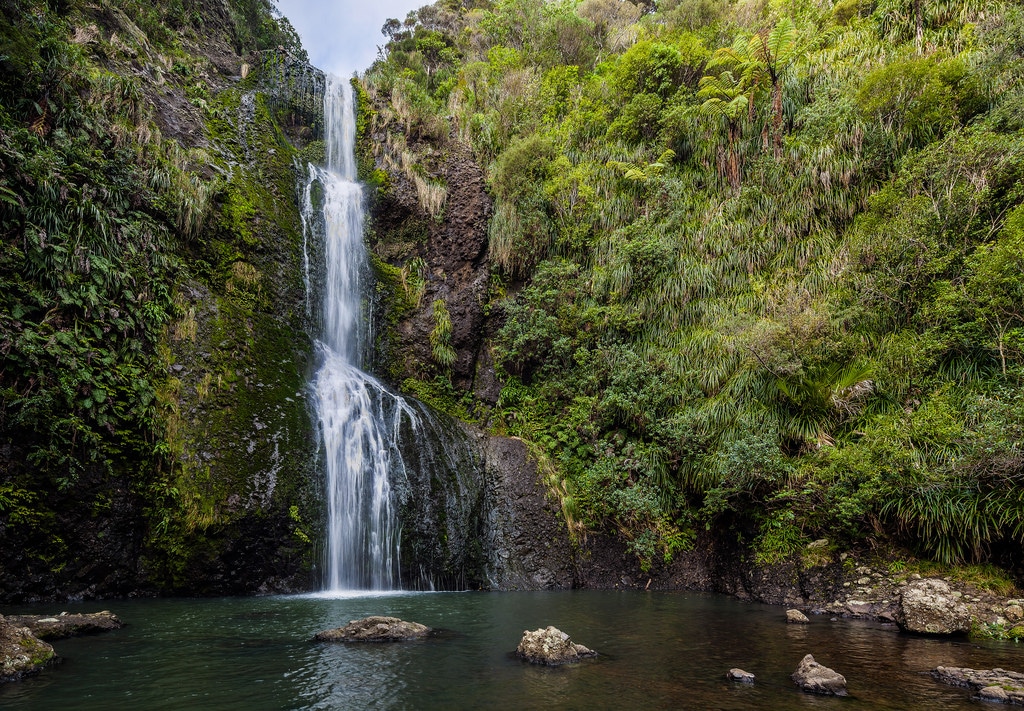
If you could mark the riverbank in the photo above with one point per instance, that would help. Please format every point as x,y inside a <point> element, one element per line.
<point>528,546</point>
<point>981,601</point>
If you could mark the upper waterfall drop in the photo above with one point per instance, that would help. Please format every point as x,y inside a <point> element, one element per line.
<point>340,129</point>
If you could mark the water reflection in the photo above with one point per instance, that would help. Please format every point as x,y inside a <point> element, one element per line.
<point>658,650</point>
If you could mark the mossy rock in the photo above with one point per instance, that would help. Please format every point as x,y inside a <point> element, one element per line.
<point>21,652</point>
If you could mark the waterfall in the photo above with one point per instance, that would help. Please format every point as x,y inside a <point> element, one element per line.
<point>385,457</point>
<point>359,417</point>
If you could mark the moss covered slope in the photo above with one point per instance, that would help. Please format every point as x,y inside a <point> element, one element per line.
<point>153,430</point>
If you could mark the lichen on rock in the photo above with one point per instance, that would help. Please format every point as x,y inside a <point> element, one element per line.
<point>796,617</point>
<point>815,678</point>
<point>736,674</point>
<point>21,652</point>
<point>65,625</point>
<point>929,606</point>
<point>375,628</point>
<point>997,684</point>
<point>551,646</point>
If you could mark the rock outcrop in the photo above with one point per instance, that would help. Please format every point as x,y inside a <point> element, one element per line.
<point>527,546</point>
<point>816,678</point>
<point>375,629</point>
<point>929,606</point>
<point>551,646</point>
<point>989,684</point>
<point>65,625</point>
<point>448,258</point>
<point>21,652</point>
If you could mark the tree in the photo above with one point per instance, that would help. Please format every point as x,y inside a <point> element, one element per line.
<point>567,38</point>
<point>651,68</point>
<point>612,19</point>
<point>725,97</point>
<point>391,29</point>
<point>762,61</point>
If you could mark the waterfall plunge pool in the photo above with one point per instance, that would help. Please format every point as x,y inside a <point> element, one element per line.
<point>658,650</point>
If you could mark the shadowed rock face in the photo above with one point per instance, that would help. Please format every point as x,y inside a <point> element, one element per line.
<point>21,652</point>
<point>65,625</point>
<point>815,678</point>
<point>454,252</point>
<point>551,646</point>
<point>375,629</point>
<point>527,548</point>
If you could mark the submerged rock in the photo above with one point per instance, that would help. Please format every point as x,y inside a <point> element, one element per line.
<point>739,675</point>
<point>65,625</point>
<point>796,617</point>
<point>929,606</point>
<point>551,646</point>
<point>375,629</point>
<point>21,652</point>
<point>998,685</point>
<point>815,678</point>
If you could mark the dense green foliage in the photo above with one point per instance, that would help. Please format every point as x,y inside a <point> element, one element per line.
<point>102,220</point>
<point>764,259</point>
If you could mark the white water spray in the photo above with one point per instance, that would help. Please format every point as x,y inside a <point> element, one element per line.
<point>359,418</point>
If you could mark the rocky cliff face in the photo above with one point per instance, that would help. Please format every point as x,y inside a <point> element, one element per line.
<point>216,493</point>
<point>429,261</point>
<point>238,361</point>
<point>523,543</point>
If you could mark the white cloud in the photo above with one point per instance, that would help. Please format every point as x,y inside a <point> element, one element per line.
<point>342,36</point>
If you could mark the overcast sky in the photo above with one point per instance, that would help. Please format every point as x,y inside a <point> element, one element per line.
<point>342,36</point>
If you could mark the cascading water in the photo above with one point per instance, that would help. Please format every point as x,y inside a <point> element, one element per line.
<point>385,456</point>
<point>359,418</point>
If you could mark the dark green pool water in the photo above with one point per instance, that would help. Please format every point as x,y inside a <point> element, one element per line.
<point>658,651</point>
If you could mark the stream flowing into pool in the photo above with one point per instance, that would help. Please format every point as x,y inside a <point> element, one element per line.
<point>657,651</point>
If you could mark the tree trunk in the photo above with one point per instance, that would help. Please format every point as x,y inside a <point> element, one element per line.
<point>777,117</point>
<point>1002,353</point>
<point>734,157</point>
<point>919,25</point>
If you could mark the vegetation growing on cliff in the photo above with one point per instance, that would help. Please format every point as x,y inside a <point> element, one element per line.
<point>764,259</point>
<point>115,238</point>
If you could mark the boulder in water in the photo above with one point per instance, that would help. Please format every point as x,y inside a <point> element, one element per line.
<point>796,617</point>
<point>375,629</point>
<point>551,646</point>
<point>815,678</point>
<point>21,652</point>
<point>65,625</point>
<point>739,675</point>
<point>929,606</point>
